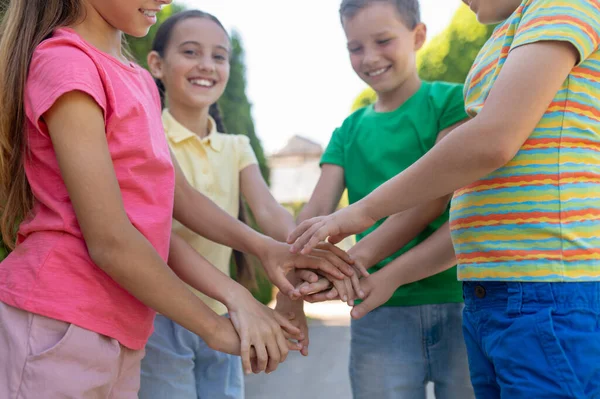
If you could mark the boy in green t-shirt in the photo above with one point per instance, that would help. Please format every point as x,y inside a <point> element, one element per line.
<point>416,336</point>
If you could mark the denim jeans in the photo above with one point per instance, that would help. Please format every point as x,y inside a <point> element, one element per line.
<point>533,340</point>
<point>396,351</point>
<point>179,365</point>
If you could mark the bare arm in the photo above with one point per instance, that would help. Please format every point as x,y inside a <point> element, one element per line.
<point>399,229</point>
<point>272,218</point>
<point>76,126</point>
<point>326,196</point>
<point>432,256</point>
<point>529,80</point>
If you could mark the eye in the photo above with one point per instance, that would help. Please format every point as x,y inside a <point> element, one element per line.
<point>354,50</point>
<point>383,42</point>
<point>219,57</point>
<point>190,53</point>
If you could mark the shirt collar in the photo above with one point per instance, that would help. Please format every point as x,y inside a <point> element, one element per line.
<point>177,133</point>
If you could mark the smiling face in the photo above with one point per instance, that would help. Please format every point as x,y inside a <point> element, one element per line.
<point>134,17</point>
<point>493,11</point>
<point>382,48</point>
<point>195,66</point>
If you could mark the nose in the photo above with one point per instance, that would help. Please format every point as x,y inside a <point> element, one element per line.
<point>371,56</point>
<point>206,63</point>
<point>164,2</point>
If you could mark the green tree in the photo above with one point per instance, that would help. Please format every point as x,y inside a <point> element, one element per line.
<point>448,56</point>
<point>236,108</point>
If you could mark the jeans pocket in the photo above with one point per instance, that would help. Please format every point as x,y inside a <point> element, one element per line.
<point>556,354</point>
<point>47,336</point>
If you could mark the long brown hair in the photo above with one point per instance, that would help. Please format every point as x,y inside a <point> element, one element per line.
<point>25,24</point>
<point>244,267</point>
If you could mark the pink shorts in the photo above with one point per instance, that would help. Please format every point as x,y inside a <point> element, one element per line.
<point>47,358</point>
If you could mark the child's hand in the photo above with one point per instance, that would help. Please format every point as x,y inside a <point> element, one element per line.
<point>337,226</point>
<point>278,262</point>
<point>264,330</point>
<point>294,311</point>
<point>378,289</point>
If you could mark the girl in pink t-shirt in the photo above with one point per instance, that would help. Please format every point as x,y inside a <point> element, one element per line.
<point>85,164</point>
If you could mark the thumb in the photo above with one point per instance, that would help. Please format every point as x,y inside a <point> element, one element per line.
<point>336,239</point>
<point>361,310</point>
<point>283,284</point>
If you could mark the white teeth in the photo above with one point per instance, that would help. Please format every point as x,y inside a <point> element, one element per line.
<point>202,82</point>
<point>149,13</point>
<point>377,72</point>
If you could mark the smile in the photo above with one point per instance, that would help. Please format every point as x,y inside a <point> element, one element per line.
<point>378,72</point>
<point>202,82</point>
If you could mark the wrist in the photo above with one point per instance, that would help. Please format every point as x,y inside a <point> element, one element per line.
<point>233,295</point>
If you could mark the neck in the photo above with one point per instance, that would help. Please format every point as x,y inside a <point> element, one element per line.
<point>392,100</point>
<point>193,119</point>
<point>95,30</point>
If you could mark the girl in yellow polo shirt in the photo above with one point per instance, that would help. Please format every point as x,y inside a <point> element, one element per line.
<point>190,60</point>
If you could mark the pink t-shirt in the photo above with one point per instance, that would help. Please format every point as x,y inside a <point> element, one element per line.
<point>50,272</point>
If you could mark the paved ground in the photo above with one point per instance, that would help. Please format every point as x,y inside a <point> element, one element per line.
<point>323,374</point>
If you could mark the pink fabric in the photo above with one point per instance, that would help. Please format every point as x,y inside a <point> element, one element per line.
<point>50,273</point>
<point>47,358</point>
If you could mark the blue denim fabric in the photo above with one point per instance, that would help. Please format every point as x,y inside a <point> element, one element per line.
<point>179,365</point>
<point>533,340</point>
<point>396,351</point>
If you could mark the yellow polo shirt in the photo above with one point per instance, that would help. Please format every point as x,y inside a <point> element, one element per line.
<point>212,165</point>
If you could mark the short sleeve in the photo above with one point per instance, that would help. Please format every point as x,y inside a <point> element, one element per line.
<point>450,103</point>
<point>245,153</point>
<point>573,21</point>
<point>334,153</point>
<point>57,69</point>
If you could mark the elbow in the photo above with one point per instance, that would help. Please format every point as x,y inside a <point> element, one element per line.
<point>104,248</point>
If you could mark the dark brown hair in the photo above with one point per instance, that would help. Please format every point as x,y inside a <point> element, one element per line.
<point>26,24</point>
<point>245,270</point>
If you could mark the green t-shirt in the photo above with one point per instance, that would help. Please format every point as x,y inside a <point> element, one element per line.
<point>373,147</point>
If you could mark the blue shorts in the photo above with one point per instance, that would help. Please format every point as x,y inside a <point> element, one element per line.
<point>533,340</point>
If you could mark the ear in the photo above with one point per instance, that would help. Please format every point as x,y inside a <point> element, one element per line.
<point>420,33</point>
<point>155,64</point>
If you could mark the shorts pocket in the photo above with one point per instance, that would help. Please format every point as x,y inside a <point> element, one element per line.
<point>556,355</point>
<point>47,336</point>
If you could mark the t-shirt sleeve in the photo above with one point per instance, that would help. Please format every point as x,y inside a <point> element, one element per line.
<point>334,153</point>
<point>575,21</point>
<point>246,153</point>
<point>57,69</point>
<point>450,104</point>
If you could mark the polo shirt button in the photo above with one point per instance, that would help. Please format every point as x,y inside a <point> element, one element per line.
<point>480,292</point>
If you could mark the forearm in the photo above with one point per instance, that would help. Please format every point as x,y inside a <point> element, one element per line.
<point>131,261</point>
<point>198,213</point>
<point>432,256</point>
<point>196,271</point>
<point>397,231</point>
<point>461,158</point>
<point>276,222</point>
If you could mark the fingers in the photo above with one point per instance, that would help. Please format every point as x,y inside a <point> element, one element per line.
<point>362,309</point>
<point>299,231</point>
<point>274,353</point>
<point>322,296</point>
<point>340,253</point>
<point>319,232</point>
<point>283,284</point>
<point>287,325</point>
<point>262,356</point>
<point>334,260</point>
<point>307,275</point>
<point>356,286</point>
<point>304,344</point>
<point>350,291</point>
<point>245,354</point>
<point>361,269</point>
<point>340,286</point>
<point>318,263</point>
<point>309,289</point>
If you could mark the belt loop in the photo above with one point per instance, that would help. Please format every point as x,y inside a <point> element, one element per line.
<point>515,299</point>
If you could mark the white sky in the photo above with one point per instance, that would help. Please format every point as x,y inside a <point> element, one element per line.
<point>298,74</point>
